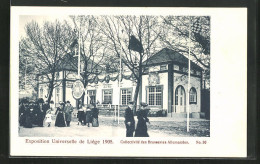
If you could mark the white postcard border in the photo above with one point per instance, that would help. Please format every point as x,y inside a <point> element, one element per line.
<point>228,121</point>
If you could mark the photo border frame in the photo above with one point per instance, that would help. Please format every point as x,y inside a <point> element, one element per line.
<point>251,57</point>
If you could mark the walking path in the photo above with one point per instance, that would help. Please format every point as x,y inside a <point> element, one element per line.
<point>80,131</point>
<point>109,127</point>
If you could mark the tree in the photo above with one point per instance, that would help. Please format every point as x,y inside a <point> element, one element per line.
<point>47,46</point>
<point>92,46</point>
<point>175,35</point>
<point>120,31</point>
<point>27,76</point>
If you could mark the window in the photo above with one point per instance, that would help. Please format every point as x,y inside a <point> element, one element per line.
<point>58,95</point>
<point>92,96</point>
<point>107,96</point>
<point>155,95</point>
<point>193,96</point>
<point>176,67</point>
<point>154,68</point>
<point>163,67</point>
<point>126,96</point>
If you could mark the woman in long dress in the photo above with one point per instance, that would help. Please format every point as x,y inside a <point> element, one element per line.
<point>60,119</point>
<point>29,116</point>
<point>80,115</point>
<point>88,116</point>
<point>141,128</point>
<point>95,113</point>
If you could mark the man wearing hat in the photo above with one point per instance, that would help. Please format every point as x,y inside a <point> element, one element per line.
<point>129,120</point>
<point>68,110</point>
<point>22,110</point>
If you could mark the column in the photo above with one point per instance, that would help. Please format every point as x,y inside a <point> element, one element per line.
<point>170,87</point>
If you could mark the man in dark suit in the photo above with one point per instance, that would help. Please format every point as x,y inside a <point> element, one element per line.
<point>39,113</point>
<point>129,120</point>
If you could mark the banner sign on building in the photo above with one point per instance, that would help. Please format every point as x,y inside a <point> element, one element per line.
<point>77,89</point>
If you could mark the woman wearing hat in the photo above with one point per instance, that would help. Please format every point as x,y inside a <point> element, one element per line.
<point>22,109</point>
<point>81,115</point>
<point>39,112</point>
<point>141,128</point>
<point>88,116</point>
<point>95,113</point>
<point>60,120</point>
<point>29,116</point>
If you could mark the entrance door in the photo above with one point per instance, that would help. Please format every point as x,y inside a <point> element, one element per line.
<point>180,100</point>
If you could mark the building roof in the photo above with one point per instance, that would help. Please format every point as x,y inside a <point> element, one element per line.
<point>70,63</point>
<point>167,55</point>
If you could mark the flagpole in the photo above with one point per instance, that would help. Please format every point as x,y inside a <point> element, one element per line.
<point>79,55</point>
<point>25,74</point>
<point>120,76</point>
<point>188,97</point>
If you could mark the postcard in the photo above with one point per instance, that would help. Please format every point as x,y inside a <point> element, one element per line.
<point>128,82</point>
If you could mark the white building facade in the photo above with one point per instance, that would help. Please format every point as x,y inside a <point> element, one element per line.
<point>164,86</point>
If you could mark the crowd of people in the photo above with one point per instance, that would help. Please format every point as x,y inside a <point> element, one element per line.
<point>33,113</point>
<point>88,114</point>
<point>36,113</point>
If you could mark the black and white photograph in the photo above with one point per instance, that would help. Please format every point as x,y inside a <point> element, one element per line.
<point>107,81</point>
<point>114,75</point>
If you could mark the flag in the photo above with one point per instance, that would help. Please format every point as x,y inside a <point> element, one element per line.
<point>135,44</point>
<point>196,27</point>
<point>204,42</point>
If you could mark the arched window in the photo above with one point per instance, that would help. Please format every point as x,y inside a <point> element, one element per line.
<point>180,96</point>
<point>193,96</point>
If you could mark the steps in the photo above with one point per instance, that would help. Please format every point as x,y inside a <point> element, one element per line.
<point>184,115</point>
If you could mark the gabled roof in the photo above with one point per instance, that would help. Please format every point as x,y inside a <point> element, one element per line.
<point>167,55</point>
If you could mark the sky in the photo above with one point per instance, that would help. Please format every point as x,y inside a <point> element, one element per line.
<point>24,19</point>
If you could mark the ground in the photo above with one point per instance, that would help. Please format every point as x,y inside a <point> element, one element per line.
<point>108,127</point>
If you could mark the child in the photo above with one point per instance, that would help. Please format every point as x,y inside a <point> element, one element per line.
<point>48,117</point>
